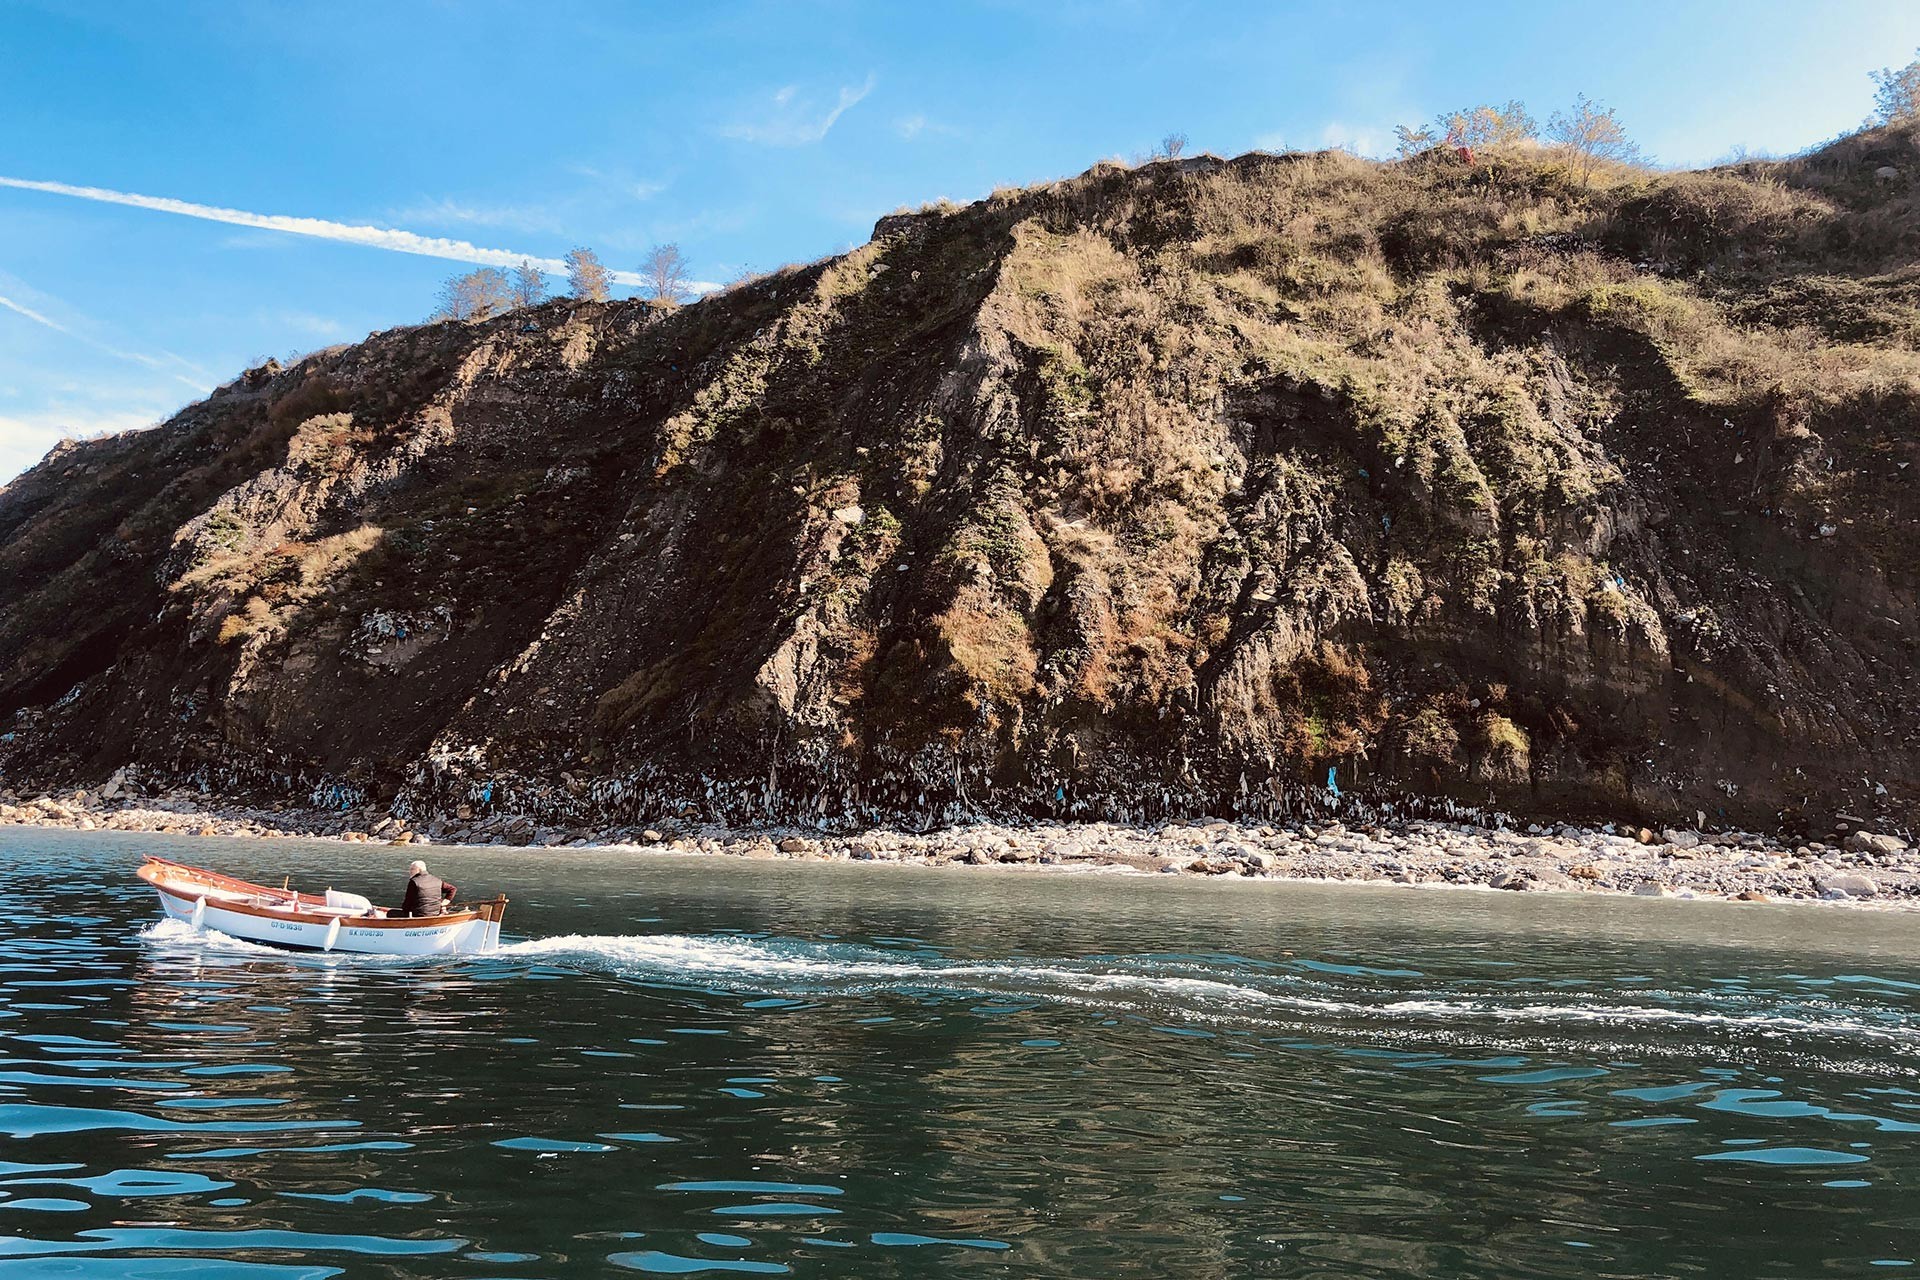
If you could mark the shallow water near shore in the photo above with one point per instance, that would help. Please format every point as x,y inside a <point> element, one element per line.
<point>685,1066</point>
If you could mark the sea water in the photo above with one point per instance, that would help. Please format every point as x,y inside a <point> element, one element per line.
<point>683,1066</point>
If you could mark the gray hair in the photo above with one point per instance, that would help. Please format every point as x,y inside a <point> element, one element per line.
<point>416,867</point>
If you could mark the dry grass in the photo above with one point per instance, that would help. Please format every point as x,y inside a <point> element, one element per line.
<point>1139,303</point>
<point>1502,749</point>
<point>275,583</point>
<point>1689,221</point>
<point>1724,364</point>
<point>993,645</point>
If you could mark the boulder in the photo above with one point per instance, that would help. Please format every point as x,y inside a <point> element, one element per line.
<point>1681,839</point>
<point>1847,884</point>
<point>1874,843</point>
<point>794,844</point>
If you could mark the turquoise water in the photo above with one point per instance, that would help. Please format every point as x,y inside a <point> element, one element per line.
<point>712,1067</point>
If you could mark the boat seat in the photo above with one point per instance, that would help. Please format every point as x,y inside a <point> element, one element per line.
<point>348,903</point>
<point>212,894</point>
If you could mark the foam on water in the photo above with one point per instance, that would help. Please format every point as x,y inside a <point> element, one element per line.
<point>790,966</point>
<point>1317,990</point>
<point>178,933</point>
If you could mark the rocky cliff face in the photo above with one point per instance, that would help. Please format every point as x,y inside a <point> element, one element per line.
<point>1150,492</point>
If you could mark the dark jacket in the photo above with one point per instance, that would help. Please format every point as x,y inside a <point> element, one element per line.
<point>427,895</point>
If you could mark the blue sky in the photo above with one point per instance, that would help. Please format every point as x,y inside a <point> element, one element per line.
<point>750,134</point>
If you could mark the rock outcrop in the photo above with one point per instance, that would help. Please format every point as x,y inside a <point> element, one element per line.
<point>1193,488</point>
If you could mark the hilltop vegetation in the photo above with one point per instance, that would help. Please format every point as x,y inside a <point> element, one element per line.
<point>1582,491</point>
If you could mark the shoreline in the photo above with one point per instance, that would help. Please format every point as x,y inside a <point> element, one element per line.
<point>1870,870</point>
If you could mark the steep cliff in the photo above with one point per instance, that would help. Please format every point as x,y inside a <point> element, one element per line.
<point>1152,491</point>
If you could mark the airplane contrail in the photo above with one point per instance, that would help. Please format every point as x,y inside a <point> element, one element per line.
<point>151,362</point>
<point>388,238</point>
<point>35,316</point>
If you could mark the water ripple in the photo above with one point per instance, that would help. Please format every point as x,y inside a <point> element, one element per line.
<point>854,1075</point>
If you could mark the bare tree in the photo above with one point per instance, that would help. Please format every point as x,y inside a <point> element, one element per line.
<point>1171,146</point>
<point>665,269</point>
<point>1487,125</point>
<point>1896,93</point>
<point>477,295</point>
<point>586,278</point>
<point>529,286</point>
<point>1475,127</point>
<point>1412,142</point>
<point>1589,137</point>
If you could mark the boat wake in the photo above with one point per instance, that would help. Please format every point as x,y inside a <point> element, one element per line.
<point>1296,993</point>
<point>1302,995</point>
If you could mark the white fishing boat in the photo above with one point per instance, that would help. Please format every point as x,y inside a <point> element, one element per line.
<point>329,921</point>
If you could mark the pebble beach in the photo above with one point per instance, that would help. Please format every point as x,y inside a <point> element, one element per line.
<point>1863,867</point>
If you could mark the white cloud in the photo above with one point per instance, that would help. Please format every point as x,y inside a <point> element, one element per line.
<point>24,440</point>
<point>918,126</point>
<point>255,240</point>
<point>387,238</point>
<point>1362,140</point>
<point>309,324</point>
<point>515,217</point>
<point>620,183</point>
<point>796,121</point>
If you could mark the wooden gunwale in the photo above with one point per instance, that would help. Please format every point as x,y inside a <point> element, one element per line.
<point>159,871</point>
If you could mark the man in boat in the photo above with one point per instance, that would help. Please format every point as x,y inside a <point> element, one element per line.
<point>427,895</point>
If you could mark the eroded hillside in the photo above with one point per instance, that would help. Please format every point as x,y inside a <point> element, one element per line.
<point>1149,492</point>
